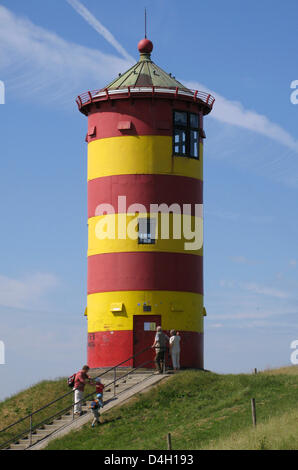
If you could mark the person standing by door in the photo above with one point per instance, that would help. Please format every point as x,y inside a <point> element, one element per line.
<point>160,346</point>
<point>175,349</point>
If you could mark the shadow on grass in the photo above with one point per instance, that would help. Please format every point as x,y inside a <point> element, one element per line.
<point>108,421</point>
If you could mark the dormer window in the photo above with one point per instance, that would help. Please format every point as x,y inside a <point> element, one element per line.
<point>186,134</point>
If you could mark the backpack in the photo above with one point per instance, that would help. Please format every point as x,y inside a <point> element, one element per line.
<point>71,380</point>
<point>94,405</point>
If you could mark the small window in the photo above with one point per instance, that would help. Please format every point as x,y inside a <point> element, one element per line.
<point>149,326</point>
<point>186,136</point>
<point>194,120</point>
<point>180,142</point>
<point>194,144</point>
<point>180,118</point>
<point>147,228</point>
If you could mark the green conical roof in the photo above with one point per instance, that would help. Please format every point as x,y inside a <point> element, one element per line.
<point>145,73</point>
<point>145,78</point>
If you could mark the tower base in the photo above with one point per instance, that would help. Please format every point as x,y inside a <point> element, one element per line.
<point>109,348</point>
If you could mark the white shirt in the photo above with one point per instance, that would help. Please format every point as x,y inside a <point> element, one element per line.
<point>175,342</point>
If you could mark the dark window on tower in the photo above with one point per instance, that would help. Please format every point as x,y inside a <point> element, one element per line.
<point>147,228</point>
<point>186,134</point>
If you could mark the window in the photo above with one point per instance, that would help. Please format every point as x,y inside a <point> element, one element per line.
<point>147,228</point>
<point>186,134</point>
<point>149,326</point>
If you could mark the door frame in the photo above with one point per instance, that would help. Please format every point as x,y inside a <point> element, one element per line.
<point>143,317</point>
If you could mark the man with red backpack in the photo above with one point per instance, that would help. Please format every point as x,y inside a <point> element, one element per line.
<point>81,378</point>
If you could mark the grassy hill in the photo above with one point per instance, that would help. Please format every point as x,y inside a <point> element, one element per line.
<point>202,410</point>
<point>27,401</point>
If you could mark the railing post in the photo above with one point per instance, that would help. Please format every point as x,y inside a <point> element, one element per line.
<point>30,434</point>
<point>169,441</point>
<point>164,362</point>
<point>253,412</point>
<point>115,376</point>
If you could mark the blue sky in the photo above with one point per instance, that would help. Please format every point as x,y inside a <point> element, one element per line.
<point>246,54</point>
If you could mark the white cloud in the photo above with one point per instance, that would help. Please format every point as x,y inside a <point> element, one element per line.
<point>234,113</point>
<point>251,304</point>
<point>255,288</point>
<point>264,290</point>
<point>227,284</point>
<point>248,313</point>
<point>99,27</point>
<point>37,63</point>
<point>244,260</point>
<point>27,292</point>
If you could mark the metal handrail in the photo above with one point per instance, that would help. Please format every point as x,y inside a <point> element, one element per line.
<point>71,391</point>
<point>61,412</point>
<point>36,411</point>
<point>29,416</point>
<point>91,96</point>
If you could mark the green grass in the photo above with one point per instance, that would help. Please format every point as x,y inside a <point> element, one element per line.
<point>201,410</point>
<point>277,433</point>
<point>20,405</point>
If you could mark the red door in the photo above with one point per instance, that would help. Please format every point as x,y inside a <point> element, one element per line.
<point>144,330</point>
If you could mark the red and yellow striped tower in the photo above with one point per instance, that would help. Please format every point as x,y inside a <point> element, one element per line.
<point>145,166</point>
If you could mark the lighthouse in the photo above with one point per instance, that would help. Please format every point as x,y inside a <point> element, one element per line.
<point>145,197</point>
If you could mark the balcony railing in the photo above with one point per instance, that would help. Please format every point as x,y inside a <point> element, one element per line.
<point>148,91</point>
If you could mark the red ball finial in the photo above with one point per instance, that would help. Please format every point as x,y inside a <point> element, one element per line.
<point>145,46</point>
